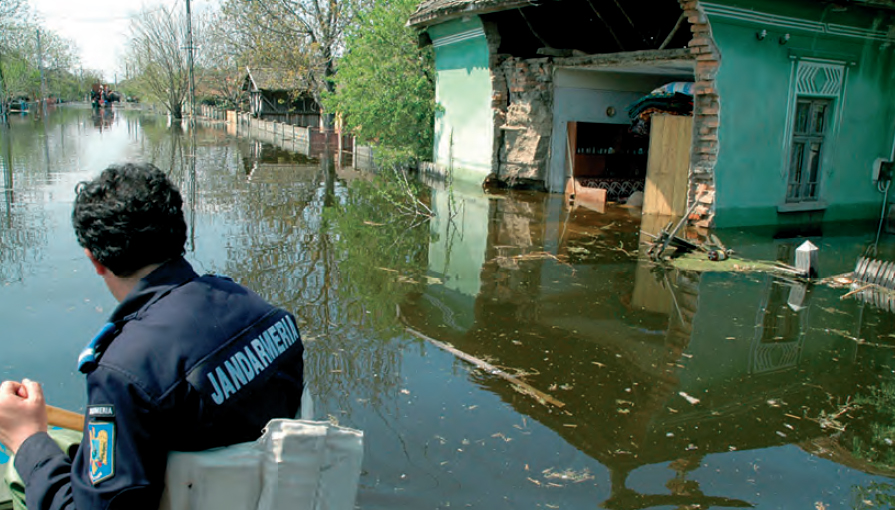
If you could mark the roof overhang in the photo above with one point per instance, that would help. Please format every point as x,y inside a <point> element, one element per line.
<point>873,4</point>
<point>675,62</point>
<point>453,10</point>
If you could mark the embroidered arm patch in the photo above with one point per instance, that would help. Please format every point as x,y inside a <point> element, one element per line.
<point>102,450</point>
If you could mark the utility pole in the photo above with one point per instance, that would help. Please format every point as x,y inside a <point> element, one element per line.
<point>189,34</point>
<point>4,119</point>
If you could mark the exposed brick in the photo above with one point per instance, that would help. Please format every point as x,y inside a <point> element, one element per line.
<point>710,110</point>
<point>711,121</point>
<point>706,56</point>
<point>699,41</point>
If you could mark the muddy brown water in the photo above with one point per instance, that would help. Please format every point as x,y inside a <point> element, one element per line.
<point>678,389</point>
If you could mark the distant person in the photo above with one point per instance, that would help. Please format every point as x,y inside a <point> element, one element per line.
<point>185,363</point>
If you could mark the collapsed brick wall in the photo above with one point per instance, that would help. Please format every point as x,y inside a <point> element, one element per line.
<point>522,106</point>
<point>706,114</point>
<point>524,138</point>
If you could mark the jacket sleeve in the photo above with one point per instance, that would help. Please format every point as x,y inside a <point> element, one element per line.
<point>119,464</point>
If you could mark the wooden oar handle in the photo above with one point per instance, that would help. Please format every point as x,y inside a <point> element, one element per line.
<point>59,417</point>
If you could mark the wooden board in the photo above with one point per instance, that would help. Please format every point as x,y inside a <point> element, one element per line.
<point>592,198</point>
<point>668,168</point>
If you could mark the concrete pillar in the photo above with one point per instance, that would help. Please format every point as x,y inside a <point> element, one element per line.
<point>806,259</point>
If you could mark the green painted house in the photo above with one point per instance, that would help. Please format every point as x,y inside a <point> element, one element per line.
<point>791,102</point>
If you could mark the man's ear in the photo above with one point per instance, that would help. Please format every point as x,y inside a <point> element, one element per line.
<point>100,269</point>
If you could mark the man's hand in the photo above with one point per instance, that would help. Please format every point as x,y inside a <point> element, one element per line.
<point>23,412</point>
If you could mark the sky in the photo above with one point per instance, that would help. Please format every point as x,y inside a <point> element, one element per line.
<point>99,27</point>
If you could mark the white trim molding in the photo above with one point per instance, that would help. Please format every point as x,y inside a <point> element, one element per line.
<point>817,79</point>
<point>456,38</point>
<point>740,14</point>
<point>814,78</point>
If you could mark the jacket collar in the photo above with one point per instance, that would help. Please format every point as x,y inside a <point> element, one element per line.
<point>149,289</point>
<point>153,287</point>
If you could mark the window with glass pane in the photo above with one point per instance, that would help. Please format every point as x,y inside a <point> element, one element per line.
<point>809,125</point>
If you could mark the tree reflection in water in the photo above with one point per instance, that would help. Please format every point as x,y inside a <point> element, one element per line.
<point>22,229</point>
<point>324,248</point>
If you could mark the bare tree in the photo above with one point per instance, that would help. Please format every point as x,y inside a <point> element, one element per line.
<point>220,66</point>
<point>304,36</point>
<point>158,56</point>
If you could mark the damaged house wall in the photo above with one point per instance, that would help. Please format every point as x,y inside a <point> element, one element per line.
<point>524,43</point>
<point>776,55</point>
<point>706,114</point>
<point>522,140</point>
<point>759,59</point>
<point>527,44</point>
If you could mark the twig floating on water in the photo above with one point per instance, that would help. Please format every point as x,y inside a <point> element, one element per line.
<point>489,368</point>
<point>852,293</point>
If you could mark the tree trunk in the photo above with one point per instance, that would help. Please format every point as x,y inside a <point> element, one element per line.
<point>330,87</point>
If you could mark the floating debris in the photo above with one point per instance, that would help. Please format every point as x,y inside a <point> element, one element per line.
<point>569,475</point>
<point>688,398</point>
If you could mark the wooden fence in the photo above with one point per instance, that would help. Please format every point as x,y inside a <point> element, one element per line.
<point>304,140</point>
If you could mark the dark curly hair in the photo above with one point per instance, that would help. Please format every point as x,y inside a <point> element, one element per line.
<point>129,217</point>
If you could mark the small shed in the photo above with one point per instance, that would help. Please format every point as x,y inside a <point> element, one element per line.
<point>278,95</point>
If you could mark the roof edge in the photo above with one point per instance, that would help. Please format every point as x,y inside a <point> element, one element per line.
<point>435,16</point>
<point>609,59</point>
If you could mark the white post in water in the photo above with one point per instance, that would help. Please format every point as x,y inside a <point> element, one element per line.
<point>806,259</point>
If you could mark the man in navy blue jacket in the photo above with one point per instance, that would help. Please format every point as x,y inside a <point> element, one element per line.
<point>185,363</point>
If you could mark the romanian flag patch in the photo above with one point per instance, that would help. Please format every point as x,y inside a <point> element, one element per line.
<point>102,450</point>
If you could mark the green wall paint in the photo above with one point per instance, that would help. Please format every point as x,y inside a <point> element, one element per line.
<point>754,83</point>
<point>464,129</point>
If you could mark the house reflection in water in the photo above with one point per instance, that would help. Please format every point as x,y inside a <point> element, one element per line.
<point>654,365</point>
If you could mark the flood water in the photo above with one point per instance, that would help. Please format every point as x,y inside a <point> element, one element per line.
<point>665,388</point>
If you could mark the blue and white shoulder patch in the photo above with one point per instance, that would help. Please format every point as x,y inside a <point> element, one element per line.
<point>102,450</point>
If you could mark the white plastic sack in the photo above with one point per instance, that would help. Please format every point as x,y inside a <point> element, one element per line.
<point>295,465</point>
